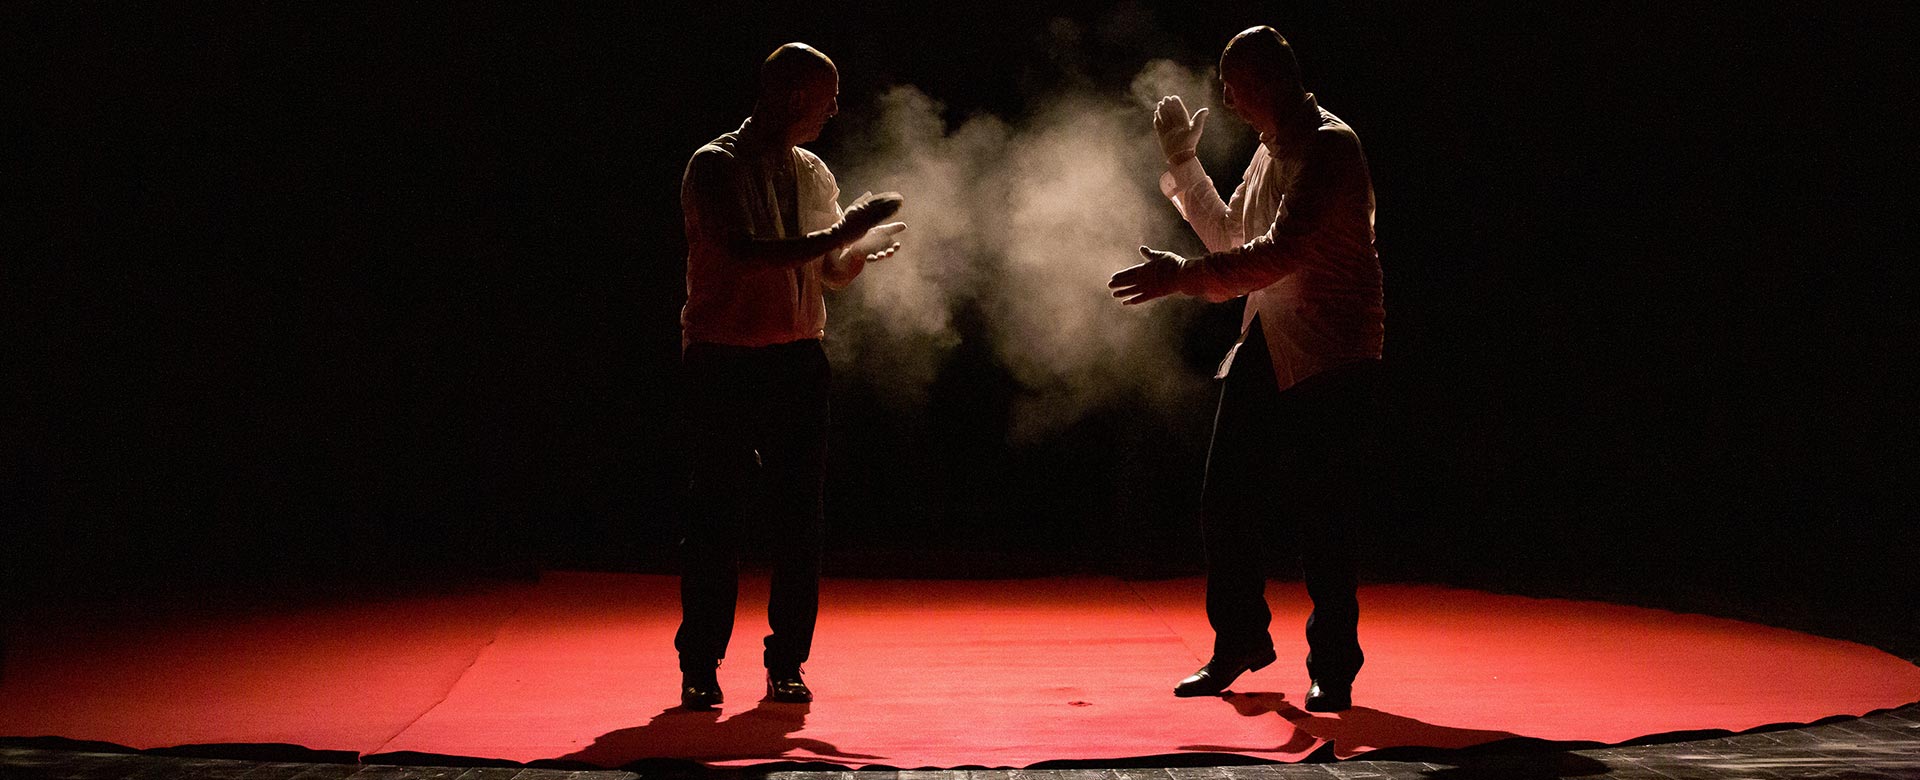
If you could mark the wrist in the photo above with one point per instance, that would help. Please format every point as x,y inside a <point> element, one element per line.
<point>1180,157</point>
<point>1186,276</point>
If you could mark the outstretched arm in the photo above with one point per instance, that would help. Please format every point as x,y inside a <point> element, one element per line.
<point>1328,210</point>
<point>1328,215</point>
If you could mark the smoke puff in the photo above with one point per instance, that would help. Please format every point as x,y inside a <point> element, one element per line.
<point>896,322</point>
<point>1026,221</point>
<point>1078,205</point>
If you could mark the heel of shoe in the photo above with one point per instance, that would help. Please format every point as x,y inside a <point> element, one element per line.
<point>1258,665</point>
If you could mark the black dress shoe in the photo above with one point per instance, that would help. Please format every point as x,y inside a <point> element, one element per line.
<point>700,690</point>
<point>1220,672</point>
<point>1329,697</point>
<point>785,685</point>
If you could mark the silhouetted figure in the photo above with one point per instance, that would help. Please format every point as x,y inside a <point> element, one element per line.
<point>765,237</point>
<point>1299,401</point>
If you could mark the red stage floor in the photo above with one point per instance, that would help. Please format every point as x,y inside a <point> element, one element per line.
<point>915,674</point>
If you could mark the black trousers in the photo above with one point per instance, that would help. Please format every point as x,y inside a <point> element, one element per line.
<point>1295,465</point>
<point>758,421</point>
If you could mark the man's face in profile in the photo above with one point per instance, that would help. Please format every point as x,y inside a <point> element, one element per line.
<point>814,104</point>
<point>1240,93</point>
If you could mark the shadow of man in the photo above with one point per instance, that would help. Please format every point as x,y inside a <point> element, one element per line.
<point>1364,729</point>
<point>1355,730</point>
<point>764,732</point>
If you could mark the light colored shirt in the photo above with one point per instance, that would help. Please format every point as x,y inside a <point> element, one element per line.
<point>1296,238</point>
<point>740,187</point>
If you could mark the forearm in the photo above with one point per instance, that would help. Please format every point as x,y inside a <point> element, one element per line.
<point>1221,276</point>
<point>1328,216</point>
<point>1187,184</point>
<point>842,266</point>
<point>788,252</point>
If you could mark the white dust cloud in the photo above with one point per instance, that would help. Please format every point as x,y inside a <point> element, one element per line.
<point>1025,220</point>
<point>895,323</point>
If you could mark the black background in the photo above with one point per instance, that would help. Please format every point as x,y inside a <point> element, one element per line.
<point>362,292</point>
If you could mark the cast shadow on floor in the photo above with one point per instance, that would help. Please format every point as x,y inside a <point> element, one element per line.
<point>765,732</point>
<point>1365,733</point>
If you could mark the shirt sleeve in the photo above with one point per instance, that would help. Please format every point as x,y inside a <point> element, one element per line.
<point>1330,193</point>
<point>1218,223</point>
<point>710,199</point>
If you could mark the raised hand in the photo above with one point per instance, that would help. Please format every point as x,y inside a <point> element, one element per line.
<point>1156,278</point>
<point>1179,133</point>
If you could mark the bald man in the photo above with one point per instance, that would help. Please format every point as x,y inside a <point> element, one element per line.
<point>1299,399</point>
<point>765,237</point>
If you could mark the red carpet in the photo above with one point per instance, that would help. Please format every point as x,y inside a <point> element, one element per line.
<point>917,673</point>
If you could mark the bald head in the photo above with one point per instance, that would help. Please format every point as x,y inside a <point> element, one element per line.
<point>794,67</point>
<point>799,92</point>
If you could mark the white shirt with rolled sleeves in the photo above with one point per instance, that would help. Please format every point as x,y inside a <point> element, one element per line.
<point>1309,270</point>
<point>732,187</point>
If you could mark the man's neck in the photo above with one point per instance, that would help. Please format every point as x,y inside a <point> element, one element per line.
<point>765,136</point>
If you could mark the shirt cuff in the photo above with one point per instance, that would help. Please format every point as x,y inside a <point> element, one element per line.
<point>1180,178</point>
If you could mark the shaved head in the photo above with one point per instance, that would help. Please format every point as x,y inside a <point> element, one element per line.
<point>1262,55</point>
<point>794,67</point>
<point>799,92</point>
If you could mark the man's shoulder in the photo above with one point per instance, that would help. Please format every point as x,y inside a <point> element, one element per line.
<point>809,159</point>
<point>1333,125</point>
<point>1334,138</point>
<point>724,147</point>
<point>714,157</point>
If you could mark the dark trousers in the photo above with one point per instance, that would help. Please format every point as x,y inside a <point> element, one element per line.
<point>1297,463</point>
<point>758,422</point>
